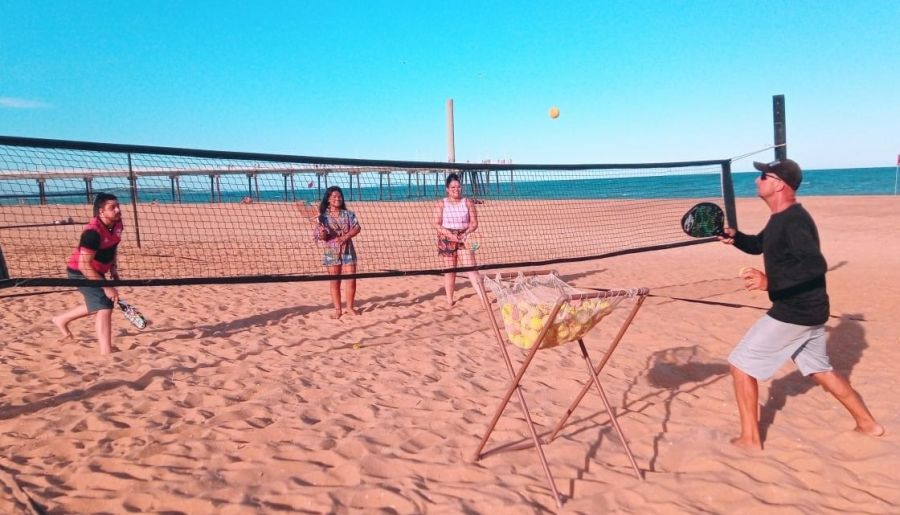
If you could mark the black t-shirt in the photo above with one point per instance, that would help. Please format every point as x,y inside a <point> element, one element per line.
<point>90,239</point>
<point>794,265</point>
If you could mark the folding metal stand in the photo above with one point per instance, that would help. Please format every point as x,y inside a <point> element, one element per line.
<point>516,376</point>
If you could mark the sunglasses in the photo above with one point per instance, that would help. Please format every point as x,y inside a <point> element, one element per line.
<point>765,173</point>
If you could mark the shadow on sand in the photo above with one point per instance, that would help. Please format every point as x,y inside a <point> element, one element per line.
<point>678,371</point>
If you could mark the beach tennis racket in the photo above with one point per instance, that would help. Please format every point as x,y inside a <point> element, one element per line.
<point>311,214</point>
<point>132,314</point>
<point>703,221</point>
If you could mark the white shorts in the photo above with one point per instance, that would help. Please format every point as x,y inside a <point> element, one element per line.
<point>769,343</point>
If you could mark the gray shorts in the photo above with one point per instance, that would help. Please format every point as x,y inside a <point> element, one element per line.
<point>769,343</point>
<point>94,298</point>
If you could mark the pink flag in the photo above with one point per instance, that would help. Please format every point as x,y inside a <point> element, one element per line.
<point>898,159</point>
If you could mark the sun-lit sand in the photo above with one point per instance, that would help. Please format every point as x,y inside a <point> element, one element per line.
<point>249,398</point>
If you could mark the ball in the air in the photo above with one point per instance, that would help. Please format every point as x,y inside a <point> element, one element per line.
<point>554,112</point>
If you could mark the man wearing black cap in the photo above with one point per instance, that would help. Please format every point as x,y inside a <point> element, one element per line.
<point>794,328</point>
<point>93,258</point>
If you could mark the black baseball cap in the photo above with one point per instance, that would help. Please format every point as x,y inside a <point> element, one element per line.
<point>785,169</point>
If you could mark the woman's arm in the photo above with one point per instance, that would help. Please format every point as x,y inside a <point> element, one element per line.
<point>355,228</point>
<point>351,233</point>
<point>438,219</point>
<point>473,217</point>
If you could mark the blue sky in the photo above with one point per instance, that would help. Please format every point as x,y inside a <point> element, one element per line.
<point>635,81</point>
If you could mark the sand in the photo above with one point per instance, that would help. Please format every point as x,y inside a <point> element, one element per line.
<point>245,399</point>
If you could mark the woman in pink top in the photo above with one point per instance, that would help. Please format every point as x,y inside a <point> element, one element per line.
<point>454,219</point>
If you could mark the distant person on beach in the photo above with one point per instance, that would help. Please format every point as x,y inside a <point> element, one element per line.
<point>794,327</point>
<point>336,226</point>
<point>94,258</point>
<point>455,218</point>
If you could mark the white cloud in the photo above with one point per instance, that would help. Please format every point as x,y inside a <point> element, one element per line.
<point>21,103</point>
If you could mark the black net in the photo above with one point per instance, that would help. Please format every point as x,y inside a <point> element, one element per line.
<point>195,216</point>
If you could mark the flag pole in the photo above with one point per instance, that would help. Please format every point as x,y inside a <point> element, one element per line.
<point>896,169</point>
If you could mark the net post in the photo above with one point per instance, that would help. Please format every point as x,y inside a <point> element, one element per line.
<point>293,188</point>
<point>4,272</point>
<point>350,175</point>
<point>779,126</point>
<point>134,200</point>
<point>42,191</point>
<point>89,189</point>
<point>728,195</point>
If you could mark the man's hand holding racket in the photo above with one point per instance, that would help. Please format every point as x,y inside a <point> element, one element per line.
<point>727,236</point>
<point>111,293</point>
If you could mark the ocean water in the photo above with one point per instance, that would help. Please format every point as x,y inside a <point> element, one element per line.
<point>849,181</point>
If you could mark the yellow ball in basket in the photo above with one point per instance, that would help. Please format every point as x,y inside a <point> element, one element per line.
<point>536,323</point>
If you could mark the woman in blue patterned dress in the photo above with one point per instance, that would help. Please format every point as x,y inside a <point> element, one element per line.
<point>336,228</point>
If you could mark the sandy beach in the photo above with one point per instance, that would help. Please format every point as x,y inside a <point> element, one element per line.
<point>249,399</point>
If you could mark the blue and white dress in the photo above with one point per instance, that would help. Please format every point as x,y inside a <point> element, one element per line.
<point>335,227</point>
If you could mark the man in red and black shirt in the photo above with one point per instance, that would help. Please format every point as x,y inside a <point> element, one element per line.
<point>94,258</point>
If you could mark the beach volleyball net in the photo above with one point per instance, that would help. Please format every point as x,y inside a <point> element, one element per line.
<point>203,217</point>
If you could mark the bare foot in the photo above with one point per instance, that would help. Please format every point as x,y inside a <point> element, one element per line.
<point>336,315</point>
<point>873,429</point>
<point>64,329</point>
<point>450,302</point>
<point>749,445</point>
<point>351,311</point>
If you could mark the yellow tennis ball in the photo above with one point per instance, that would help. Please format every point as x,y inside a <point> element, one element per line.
<point>554,112</point>
<point>506,311</point>
<point>536,323</point>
